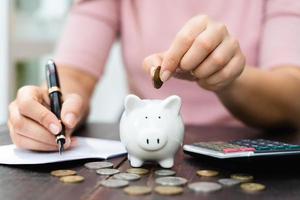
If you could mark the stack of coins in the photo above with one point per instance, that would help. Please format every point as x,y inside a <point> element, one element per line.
<point>67,176</point>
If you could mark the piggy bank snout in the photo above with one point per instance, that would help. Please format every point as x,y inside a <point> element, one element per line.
<point>152,140</point>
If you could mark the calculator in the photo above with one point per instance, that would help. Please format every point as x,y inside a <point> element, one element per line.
<point>242,148</point>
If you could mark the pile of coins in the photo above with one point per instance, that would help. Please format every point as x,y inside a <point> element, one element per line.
<point>166,181</point>
<point>67,176</point>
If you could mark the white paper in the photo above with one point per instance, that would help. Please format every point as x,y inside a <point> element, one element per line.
<point>86,148</point>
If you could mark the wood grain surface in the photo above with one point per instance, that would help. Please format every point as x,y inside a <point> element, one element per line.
<point>281,177</point>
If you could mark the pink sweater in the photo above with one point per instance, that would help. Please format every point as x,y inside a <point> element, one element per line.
<point>268,32</point>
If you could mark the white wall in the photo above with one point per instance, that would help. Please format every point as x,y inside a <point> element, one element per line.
<point>5,88</point>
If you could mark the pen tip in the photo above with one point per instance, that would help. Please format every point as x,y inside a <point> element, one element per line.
<point>60,148</point>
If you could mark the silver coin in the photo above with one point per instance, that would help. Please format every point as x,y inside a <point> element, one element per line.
<point>98,165</point>
<point>171,181</point>
<point>204,187</point>
<point>229,181</point>
<point>127,176</point>
<point>165,172</point>
<point>107,171</point>
<point>114,183</point>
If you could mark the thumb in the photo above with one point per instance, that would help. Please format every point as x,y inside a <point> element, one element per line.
<point>72,110</point>
<point>151,63</point>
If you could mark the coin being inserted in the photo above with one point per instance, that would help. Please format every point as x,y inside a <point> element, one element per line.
<point>157,82</point>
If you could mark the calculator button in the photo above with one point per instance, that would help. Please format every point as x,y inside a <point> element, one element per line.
<point>247,149</point>
<point>230,150</point>
<point>294,147</point>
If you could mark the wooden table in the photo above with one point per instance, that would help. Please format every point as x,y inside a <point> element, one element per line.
<point>35,182</point>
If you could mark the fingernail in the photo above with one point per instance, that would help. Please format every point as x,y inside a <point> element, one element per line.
<point>54,128</point>
<point>68,142</point>
<point>70,119</point>
<point>152,71</point>
<point>165,75</point>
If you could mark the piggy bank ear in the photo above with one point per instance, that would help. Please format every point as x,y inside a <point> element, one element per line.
<point>173,103</point>
<point>131,102</point>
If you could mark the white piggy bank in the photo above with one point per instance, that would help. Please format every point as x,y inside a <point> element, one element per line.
<point>151,130</point>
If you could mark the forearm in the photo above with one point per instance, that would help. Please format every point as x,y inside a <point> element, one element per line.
<point>265,99</point>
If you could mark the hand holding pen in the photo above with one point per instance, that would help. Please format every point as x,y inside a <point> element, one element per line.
<point>31,123</point>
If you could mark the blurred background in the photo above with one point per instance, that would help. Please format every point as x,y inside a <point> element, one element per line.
<point>29,31</point>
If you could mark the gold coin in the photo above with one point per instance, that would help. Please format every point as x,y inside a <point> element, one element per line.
<point>137,190</point>
<point>207,173</point>
<point>168,190</point>
<point>72,179</point>
<point>157,82</point>
<point>242,177</point>
<point>253,187</point>
<point>63,172</point>
<point>139,171</point>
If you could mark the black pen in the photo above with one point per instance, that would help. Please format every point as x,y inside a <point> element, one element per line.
<point>55,96</point>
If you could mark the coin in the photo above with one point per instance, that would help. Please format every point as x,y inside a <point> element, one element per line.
<point>253,187</point>
<point>63,172</point>
<point>98,165</point>
<point>208,173</point>
<point>114,183</point>
<point>139,171</point>
<point>165,172</point>
<point>127,176</point>
<point>72,179</point>
<point>242,177</point>
<point>204,187</point>
<point>168,190</point>
<point>171,181</point>
<point>157,82</point>
<point>228,181</point>
<point>107,171</point>
<point>137,190</point>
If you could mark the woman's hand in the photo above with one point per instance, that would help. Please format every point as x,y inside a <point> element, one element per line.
<point>33,126</point>
<point>203,51</point>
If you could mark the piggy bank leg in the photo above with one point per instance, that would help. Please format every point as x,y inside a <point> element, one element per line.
<point>167,163</point>
<point>135,162</point>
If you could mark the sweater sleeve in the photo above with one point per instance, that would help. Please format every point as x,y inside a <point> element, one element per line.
<point>89,33</point>
<point>280,39</point>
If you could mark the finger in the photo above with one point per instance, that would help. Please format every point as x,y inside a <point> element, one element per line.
<point>182,42</point>
<point>29,103</point>
<point>72,109</point>
<point>232,70</point>
<point>184,75</point>
<point>151,63</point>
<point>204,44</point>
<point>28,143</point>
<point>30,129</point>
<point>217,59</point>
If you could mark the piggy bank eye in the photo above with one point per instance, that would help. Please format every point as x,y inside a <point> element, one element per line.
<point>159,117</point>
<point>146,117</point>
